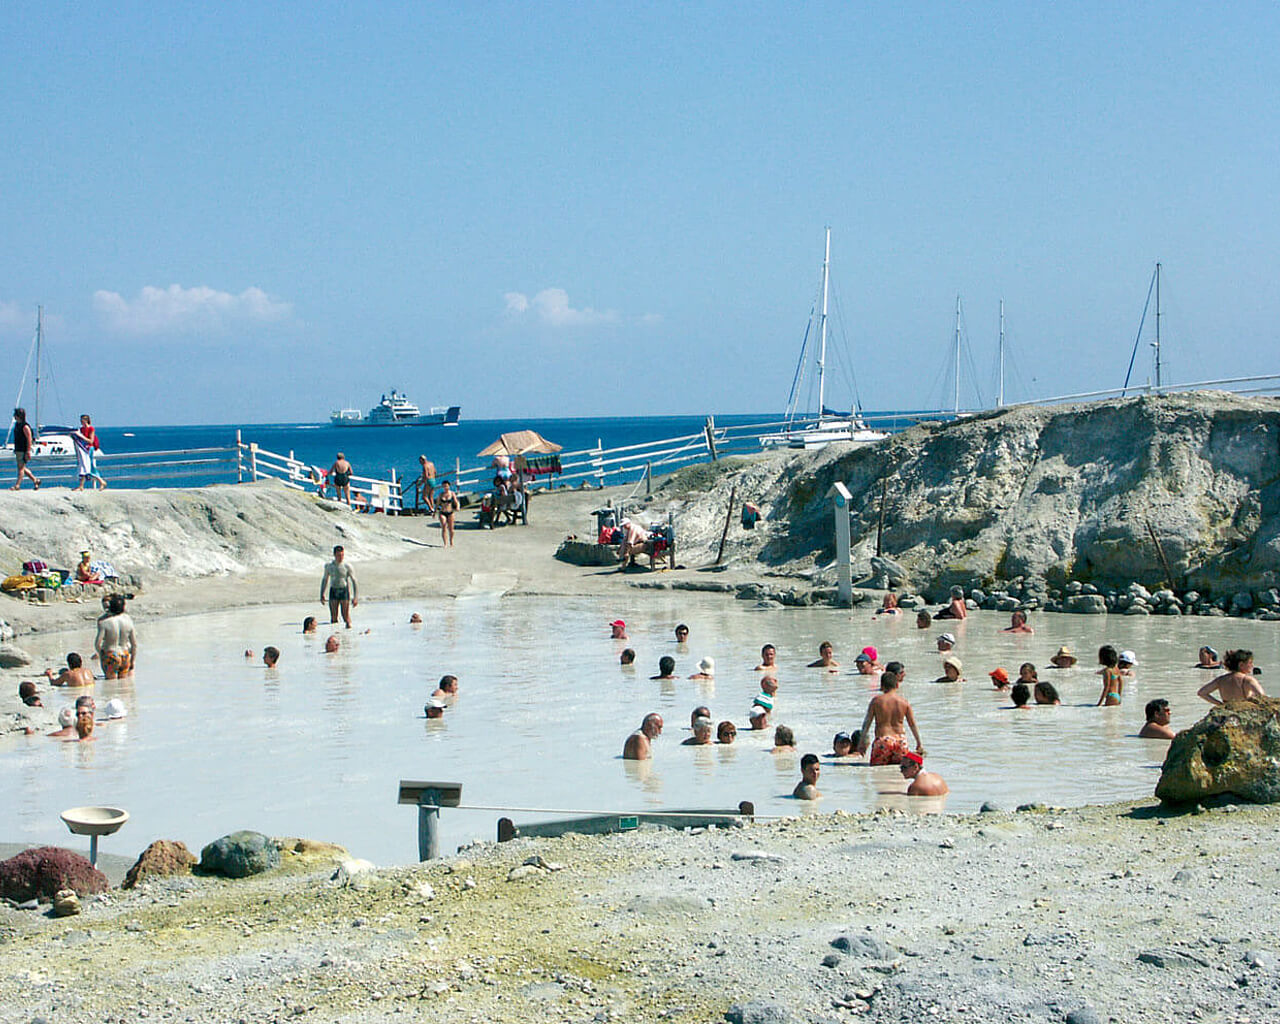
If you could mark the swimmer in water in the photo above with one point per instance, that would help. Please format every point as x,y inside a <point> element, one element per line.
<point>706,669</point>
<point>888,606</point>
<point>810,769</point>
<point>682,634</point>
<point>627,657</point>
<point>826,657</point>
<point>639,745</point>
<point>841,745</point>
<point>784,741</point>
<point>726,732</point>
<point>1157,724</point>
<point>447,688</point>
<point>768,658</point>
<point>1208,658</point>
<point>270,655</point>
<point>75,674</point>
<point>1045,693</point>
<point>83,726</point>
<point>1027,674</point>
<point>666,668</point>
<point>999,678</point>
<point>701,734</point>
<point>951,666</point>
<point>923,783</point>
<point>1063,659</point>
<point>923,619</point>
<point>1018,624</point>
<point>1238,683</point>
<point>331,645</point>
<point>308,625</point>
<point>1112,679</point>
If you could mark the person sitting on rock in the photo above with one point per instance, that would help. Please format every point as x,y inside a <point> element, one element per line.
<point>826,657</point>
<point>1238,683</point>
<point>956,609</point>
<point>807,788</point>
<point>923,783</point>
<point>1018,624</point>
<point>1157,725</point>
<point>1208,658</point>
<point>75,674</point>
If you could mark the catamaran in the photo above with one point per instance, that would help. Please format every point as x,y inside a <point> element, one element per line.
<point>50,442</point>
<point>803,430</point>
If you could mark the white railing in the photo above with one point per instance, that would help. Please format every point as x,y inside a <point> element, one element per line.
<point>183,467</point>
<point>367,494</point>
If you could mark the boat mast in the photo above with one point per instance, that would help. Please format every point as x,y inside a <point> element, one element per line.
<point>35,425</point>
<point>822,346</point>
<point>1000,389</point>
<point>1157,344</point>
<point>957,388</point>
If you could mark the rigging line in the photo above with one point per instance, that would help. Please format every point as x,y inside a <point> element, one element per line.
<point>1134,355</point>
<point>22,385</point>
<point>845,350</point>
<point>966,348</point>
<point>798,378</point>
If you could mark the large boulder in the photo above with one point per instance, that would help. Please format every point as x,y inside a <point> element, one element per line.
<point>1087,604</point>
<point>1234,749</point>
<point>240,855</point>
<point>41,873</point>
<point>162,858</point>
<point>12,656</point>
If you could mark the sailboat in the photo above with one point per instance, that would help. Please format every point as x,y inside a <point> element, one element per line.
<point>802,430</point>
<point>50,442</point>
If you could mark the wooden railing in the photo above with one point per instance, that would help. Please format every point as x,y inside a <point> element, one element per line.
<point>367,494</point>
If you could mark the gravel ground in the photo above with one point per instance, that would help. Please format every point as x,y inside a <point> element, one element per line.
<point>1124,913</point>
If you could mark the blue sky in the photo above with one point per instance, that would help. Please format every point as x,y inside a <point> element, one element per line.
<point>248,213</point>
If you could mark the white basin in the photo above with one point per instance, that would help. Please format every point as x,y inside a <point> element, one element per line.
<point>95,821</point>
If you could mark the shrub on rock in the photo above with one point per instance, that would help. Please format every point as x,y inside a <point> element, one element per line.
<point>45,871</point>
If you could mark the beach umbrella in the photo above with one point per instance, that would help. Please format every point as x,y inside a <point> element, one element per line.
<point>521,442</point>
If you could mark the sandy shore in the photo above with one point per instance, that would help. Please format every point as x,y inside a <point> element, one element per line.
<point>1117,912</point>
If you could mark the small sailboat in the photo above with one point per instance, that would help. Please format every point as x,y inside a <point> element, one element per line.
<point>804,430</point>
<point>50,442</point>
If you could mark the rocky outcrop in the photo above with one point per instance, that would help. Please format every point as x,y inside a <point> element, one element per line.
<point>1234,749</point>
<point>240,855</point>
<point>41,873</point>
<point>1066,493</point>
<point>162,858</point>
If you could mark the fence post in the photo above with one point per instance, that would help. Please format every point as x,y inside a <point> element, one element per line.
<point>392,494</point>
<point>648,478</point>
<point>709,429</point>
<point>239,458</point>
<point>598,462</point>
<point>840,500</point>
<point>253,460</point>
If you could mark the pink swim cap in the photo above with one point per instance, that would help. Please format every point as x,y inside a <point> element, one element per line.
<point>870,652</point>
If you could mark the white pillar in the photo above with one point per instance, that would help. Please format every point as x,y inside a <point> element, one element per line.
<point>840,501</point>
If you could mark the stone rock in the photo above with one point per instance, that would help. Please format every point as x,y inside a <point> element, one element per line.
<point>1083,1015</point>
<point>524,871</point>
<point>863,945</point>
<point>350,871</point>
<point>6,632</point>
<point>1192,597</point>
<point>1137,609</point>
<point>1242,602</point>
<point>882,566</point>
<point>161,859</point>
<point>43,872</point>
<point>1138,591</point>
<point>12,656</point>
<point>757,855</point>
<point>831,960</point>
<point>300,855</point>
<point>988,808</point>
<point>240,855</point>
<point>1087,604</point>
<point>1269,598</point>
<point>66,903</point>
<point>977,595</point>
<point>757,1011</point>
<point>1169,958</point>
<point>1234,749</point>
<point>1260,959</point>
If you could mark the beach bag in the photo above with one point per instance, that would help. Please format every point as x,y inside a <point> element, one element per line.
<point>34,566</point>
<point>16,583</point>
<point>49,579</point>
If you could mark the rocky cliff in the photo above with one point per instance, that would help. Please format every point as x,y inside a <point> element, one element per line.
<point>1089,493</point>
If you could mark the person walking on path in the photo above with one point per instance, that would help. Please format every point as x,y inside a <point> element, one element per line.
<point>426,484</point>
<point>24,440</point>
<point>447,508</point>
<point>340,476</point>
<point>87,447</point>
<point>341,584</point>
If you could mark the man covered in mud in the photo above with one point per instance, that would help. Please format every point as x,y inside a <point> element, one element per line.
<point>889,710</point>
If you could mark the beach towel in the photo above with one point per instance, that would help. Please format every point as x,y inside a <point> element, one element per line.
<point>13,583</point>
<point>101,567</point>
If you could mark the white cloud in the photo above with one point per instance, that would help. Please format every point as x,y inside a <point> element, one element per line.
<point>187,310</point>
<point>13,317</point>
<point>651,318</point>
<point>551,307</point>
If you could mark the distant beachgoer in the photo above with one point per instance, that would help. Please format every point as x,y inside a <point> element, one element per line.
<point>1027,674</point>
<point>682,634</point>
<point>29,695</point>
<point>865,665</point>
<point>768,658</point>
<point>946,641</point>
<point>639,745</point>
<point>769,685</point>
<point>83,726</point>
<point>758,717</point>
<point>426,482</point>
<point>446,689</point>
<point>84,571</point>
<point>446,509</point>
<point>666,668</point>
<point>999,678</point>
<point>956,609</point>
<point>726,732</point>
<point>1157,724</point>
<point>627,657</point>
<point>1238,683</point>
<point>701,711</point>
<point>309,624</point>
<point>340,476</point>
<point>951,668</point>
<point>1208,658</point>
<point>1045,693</point>
<point>889,606</point>
<point>117,641</point>
<point>889,710</point>
<point>810,769</point>
<point>1112,679</point>
<point>923,783</point>
<point>1020,694</point>
<point>1126,662</point>
<point>841,745</point>
<point>331,645</point>
<point>87,445</point>
<point>415,619</point>
<point>706,669</point>
<point>635,539</point>
<point>923,619</point>
<point>24,442</point>
<point>618,630</point>
<point>784,740</point>
<point>1063,658</point>
<point>66,723</point>
<point>270,655</point>
<point>826,657</point>
<point>1018,624</point>
<point>75,674</point>
<point>248,654</point>
<point>701,733</point>
<point>873,654</point>
<point>434,708</point>
<point>341,584</point>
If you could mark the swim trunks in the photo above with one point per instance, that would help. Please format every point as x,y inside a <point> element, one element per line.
<point>888,750</point>
<point>119,662</point>
<point>341,479</point>
<point>339,594</point>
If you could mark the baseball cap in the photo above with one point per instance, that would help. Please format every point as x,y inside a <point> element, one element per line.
<point>999,675</point>
<point>863,659</point>
<point>911,755</point>
<point>617,622</point>
<point>844,736</point>
<point>757,711</point>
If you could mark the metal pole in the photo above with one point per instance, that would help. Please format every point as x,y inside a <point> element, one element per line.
<point>253,461</point>
<point>1000,395</point>
<point>822,348</point>
<point>648,478</point>
<point>429,824</point>
<point>391,495</point>
<point>957,387</point>
<point>1157,327</point>
<point>35,423</point>
<point>93,850</point>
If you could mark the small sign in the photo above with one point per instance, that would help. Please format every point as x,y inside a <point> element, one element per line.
<point>628,824</point>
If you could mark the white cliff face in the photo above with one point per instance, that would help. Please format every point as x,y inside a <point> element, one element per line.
<point>1057,493</point>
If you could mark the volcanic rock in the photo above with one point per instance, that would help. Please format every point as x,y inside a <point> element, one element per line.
<point>239,855</point>
<point>41,873</point>
<point>162,858</point>
<point>1234,749</point>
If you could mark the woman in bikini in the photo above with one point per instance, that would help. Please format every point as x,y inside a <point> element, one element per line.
<point>446,507</point>
<point>1112,680</point>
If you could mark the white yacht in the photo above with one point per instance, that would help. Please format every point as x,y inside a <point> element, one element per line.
<point>50,442</point>
<point>395,410</point>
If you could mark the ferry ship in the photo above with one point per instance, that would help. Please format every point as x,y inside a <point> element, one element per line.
<point>395,410</point>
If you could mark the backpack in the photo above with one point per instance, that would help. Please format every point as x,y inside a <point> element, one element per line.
<point>34,566</point>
